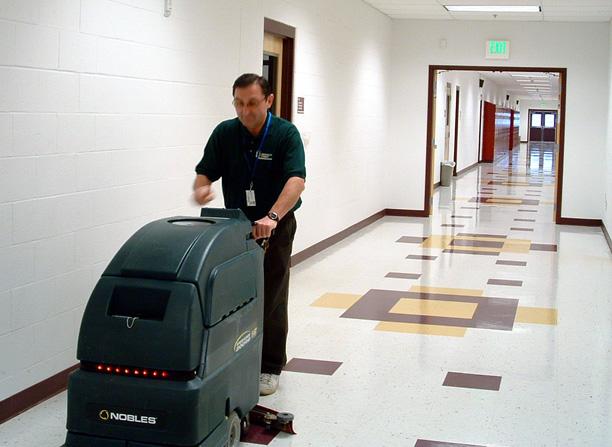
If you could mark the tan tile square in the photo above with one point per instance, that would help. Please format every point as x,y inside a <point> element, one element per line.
<point>425,329</point>
<point>434,308</point>
<point>516,246</point>
<point>336,300</point>
<point>437,241</point>
<point>536,315</point>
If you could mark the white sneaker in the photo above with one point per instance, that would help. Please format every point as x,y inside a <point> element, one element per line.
<point>268,383</point>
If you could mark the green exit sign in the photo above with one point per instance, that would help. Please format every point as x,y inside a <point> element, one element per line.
<point>498,49</point>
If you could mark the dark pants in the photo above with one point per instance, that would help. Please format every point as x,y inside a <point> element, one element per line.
<point>276,294</point>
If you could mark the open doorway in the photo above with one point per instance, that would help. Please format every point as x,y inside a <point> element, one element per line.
<point>506,111</point>
<point>277,65</point>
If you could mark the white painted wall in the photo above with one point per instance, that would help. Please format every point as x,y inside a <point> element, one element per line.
<point>104,110</point>
<point>607,214</point>
<point>525,106</point>
<point>342,70</point>
<point>469,101</point>
<point>581,47</point>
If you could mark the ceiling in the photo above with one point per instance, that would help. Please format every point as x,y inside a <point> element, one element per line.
<point>552,10</point>
<point>544,86</point>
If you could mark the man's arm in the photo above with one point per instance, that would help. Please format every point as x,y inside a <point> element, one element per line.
<point>285,202</point>
<point>202,190</point>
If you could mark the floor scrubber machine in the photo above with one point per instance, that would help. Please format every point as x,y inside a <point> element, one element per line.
<point>170,341</point>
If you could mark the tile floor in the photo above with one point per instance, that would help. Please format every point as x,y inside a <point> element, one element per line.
<point>484,325</point>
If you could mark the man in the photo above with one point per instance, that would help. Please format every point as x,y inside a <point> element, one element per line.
<point>260,159</point>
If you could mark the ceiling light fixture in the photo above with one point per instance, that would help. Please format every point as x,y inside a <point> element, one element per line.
<point>531,75</point>
<point>492,8</point>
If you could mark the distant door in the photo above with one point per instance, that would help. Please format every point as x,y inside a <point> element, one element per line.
<point>447,121</point>
<point>543,125</point>
<point>277,65</point>
<point>488,132</point>
<point>456,150</point>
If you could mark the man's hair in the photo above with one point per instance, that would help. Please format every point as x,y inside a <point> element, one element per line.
<point>248,79</point>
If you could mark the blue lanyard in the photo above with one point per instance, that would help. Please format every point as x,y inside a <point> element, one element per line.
<point>263,138</point>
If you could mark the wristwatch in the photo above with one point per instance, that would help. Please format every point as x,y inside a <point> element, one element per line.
<point>272,215</point>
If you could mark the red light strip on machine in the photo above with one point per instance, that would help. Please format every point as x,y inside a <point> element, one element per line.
<point>131,371</point>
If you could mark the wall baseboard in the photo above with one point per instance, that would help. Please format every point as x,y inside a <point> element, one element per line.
<point>579,222</point>
<point>405,213</point>
<point>34,395</point>
<point>607,235</point>
<point>328,242</point>
<point>464,170</point>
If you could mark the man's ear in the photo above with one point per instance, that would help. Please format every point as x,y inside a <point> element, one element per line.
<point>270,100</point>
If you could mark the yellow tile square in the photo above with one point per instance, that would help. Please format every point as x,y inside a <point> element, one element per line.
<point>516,246</point>
<point>434,308</point>
<point>425,329</point>
<point>437,241</point>
<point>536,315</point>
<point>336,300</point>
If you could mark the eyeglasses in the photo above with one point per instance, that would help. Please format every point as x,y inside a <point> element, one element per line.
<point>251,104</point>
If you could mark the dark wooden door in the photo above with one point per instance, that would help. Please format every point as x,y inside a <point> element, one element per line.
<point>488,132</point>
<point>543,125</point>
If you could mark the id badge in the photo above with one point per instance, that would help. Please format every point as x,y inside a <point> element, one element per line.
<point>250,197</point>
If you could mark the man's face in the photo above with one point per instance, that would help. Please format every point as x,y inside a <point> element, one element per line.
<point>252,106</point>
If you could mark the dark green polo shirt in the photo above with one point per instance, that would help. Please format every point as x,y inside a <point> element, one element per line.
<point>230,155</point>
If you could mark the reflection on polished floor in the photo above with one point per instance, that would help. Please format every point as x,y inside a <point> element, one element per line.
<point>484,325</point>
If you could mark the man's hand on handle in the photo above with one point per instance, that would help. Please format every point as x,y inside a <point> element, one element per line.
<point>263,228</point>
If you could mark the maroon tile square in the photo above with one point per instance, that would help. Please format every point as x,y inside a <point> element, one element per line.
<point>469,252</point>
<point>310,366</point>
<point>412,239</point>
<point>517,263</point>
<point>427,443</point>
<point>497,236</point>
<point>468,243</point>
<point>543,247</point>
<point>422,257</point>
<point>403,275</point>
<point>475,381</point>
<point>505,282</point>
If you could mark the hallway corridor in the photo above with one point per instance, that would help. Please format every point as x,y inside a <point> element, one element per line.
<point>484,325</point>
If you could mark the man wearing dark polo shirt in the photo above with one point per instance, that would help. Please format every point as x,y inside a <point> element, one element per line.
<point>260,160</point>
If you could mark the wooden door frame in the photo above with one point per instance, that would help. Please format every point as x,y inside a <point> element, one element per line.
<point>433,69</point>
<point>455,142</point>
<point>288,57</point>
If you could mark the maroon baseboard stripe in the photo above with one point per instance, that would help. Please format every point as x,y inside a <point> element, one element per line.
<point>405,213</point>
<point>607,235</point>
<point>579,222</point>
<point>32,396</point>
<point>464,170</point>
<point>326,243</point>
